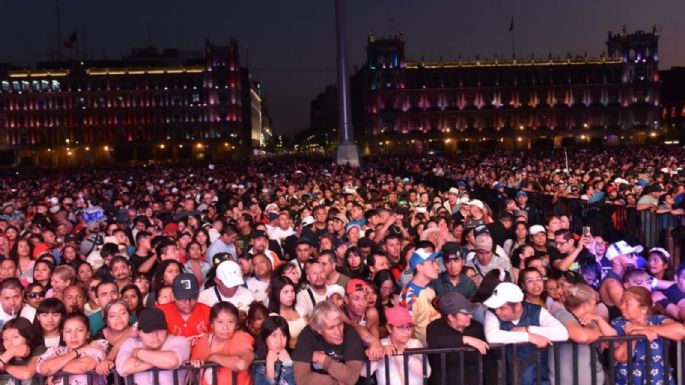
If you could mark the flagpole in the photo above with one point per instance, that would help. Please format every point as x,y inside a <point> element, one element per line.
<point>513,39</point>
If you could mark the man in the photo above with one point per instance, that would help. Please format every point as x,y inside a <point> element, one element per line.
<point>224,244</point>
<point>418,296</point>
<point>74,298</point>
<point>245,225</point>
<point>378,261</point>
<point>337,226</point>
<point>622,256</point>
<point>303,253</point>
<point>282,228</point>
<point>315,293</point>
<point>185,316</point>
<point>565,255</point>
<point>333,277</point>
<point>453,279</point>
<point>167,249</point>
<point>259,283</point>
<point>456,328</point>
<point>501,230</point>
<point>105,292</point>
<point>650,200</point>
<point>452,202</point>
<point>229,281</point>
<point>320,215</point>
<point>121,271</point>
<point>522,203</point>
<point>260,244</point>
<point>515,321</point>
<point>538,239</point>
<point>144,259</point>
<point>363,319</point>
<point>477,216</point>
<point>485,260</point>
<point>153,348</point>
<point>328,352</point>
<point>10,299</point>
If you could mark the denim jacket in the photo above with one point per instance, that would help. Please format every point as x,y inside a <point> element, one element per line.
<point>286,374</point>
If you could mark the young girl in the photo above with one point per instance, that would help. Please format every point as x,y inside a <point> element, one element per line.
<point>282,302</point>
<point>272,347</point>
<point>42,271</point>
<point>49,316</point>
<point>22,344</point>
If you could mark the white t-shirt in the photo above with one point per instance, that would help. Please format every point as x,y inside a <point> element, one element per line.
<point>241,299</point>
<point>259,289</point>
<point>396,363</point>
<point>304,304</point>
<point>278,233</point>
<point>29,312</point>
<point>4,317</point>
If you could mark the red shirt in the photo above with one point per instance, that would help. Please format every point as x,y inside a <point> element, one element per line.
<point>196,324</point>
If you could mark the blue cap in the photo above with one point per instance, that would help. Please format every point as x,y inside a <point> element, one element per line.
<point>461,182</point>
<point>420,256</point>
<point>498,186</point>
<point>641,183</point>
<point>521,194</point>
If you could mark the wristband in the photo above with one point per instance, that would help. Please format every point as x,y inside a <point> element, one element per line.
<point>654,283</point>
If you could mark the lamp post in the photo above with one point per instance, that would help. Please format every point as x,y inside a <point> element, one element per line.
<point>347,152</point>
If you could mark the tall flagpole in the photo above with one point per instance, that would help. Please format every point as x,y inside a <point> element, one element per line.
<point>513,38</point>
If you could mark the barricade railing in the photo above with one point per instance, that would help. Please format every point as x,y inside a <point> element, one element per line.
<point>563,363</point>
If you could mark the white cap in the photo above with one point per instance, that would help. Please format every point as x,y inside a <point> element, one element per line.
<point>505,292</point>
<point>621,181</point>
<point>463,200</point>
<point>477,203</point>
<point>334,289</point>
<point>308,220</point>
<point>454,190</point>
<point>350,190</point>
<point>228,272</point>
<point>54,200</point>
<point>621,248</point>
<point>536,229</point>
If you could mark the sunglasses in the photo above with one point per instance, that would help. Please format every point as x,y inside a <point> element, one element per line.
<point>35,294</point>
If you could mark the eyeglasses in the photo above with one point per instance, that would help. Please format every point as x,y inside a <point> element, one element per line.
<point>35,294</point>
<point>405,328</point>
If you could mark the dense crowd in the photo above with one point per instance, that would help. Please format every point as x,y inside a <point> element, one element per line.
<point>298,271</point>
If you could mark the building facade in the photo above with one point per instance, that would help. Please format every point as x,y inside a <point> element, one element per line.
<point>415,107</point>
<point>147,106</point>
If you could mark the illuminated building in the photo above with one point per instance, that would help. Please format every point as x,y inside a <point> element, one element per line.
<point>406,106</point>
<point>147,106</point>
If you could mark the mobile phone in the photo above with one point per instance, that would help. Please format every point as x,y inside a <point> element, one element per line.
<point>586,231</point>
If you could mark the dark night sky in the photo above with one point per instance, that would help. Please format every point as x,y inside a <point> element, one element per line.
<point>292,42</point>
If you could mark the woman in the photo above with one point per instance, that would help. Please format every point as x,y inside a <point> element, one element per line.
<point>288,270</point>
<point>520,238</point>
<point>22,344</point>
<point>33,295</point>
<point>76,356</point>
<point>84,272</point>
<point>353,264</point>
<point>133,298</point>
<point>387,285</point>
<point>458,232</point>
<point>272,348</point>
<point>533,286</point>
<point>202,238</point>
<point>164,276</point>
<point>584,327</point>
<point>401,328</point>
<point>118,328</point>
<point>92,305</point>
<point>22,253</point>
<point>69,256</point>
<point>353,234</point>
<point>659,264</point>
<point>49,316</point>
<point>142,282</point>
<point>256,314</point>
<point>196,263</point>
<point>282,302</point>
<point>637,319</point>
<point>42,273</point>
<point>225,345</point>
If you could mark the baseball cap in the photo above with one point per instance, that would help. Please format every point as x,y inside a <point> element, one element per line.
<point>220,257</point>
<point>398,316</point>
<point>228,272</point>
<point>420,256</point>
<point>621,248</point>
<point>185,286</point>
<point>334,289</point>
<point>521,194</point>
<point>355,284</point>
<point>341,218</point>
<point>454,191</point>
<point>40,249</point>
<point>259,234</point>
<point>504,292</point>
<point>308,220</point>
<point>151,319</point>
<point>483,242</point>
<point>452,250</point>
<point>478,203</point>
<point>454,302</point>
<point>536,229</point>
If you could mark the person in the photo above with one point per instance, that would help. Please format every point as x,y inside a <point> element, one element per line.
<point>400,327</point>
<point>185,316</point>
<point>456,328</point>
<point>33,295</point>
<point>61,278</point>
<point>453,278</point>
<point>514,321</point>
<point>532,284</point>
<point>417,296</point>
<point>49,316</point>
<point>10,299</point>
<point>637,319</point>
<point>229,288</point>
<point>152,348</point>
<point>106,291</point>
<point>74,298</point>
<point>565,254</point>
<point>197,263</point>
<point>77,356</point>
<point>258,284</point>
<point>256,315</point>
<point>622,256</point>
<point>118,328</point>
<point>672,299</point>
<point>584,327</point>
<point>22,344</point>
<point>272,349</point>
<point>659,264</point>
<point>333,276</point>
<point>484,258</point>
<point>282,301</point>
<point>328,352</point>
<point>316,292</point>
<point>358,314</point>
<point>226,345</point>
<point>133,297</point>
<point>164,276</point>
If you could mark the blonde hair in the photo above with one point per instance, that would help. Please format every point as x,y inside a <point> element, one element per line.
<point>578,295</point>
<point>65,273</point>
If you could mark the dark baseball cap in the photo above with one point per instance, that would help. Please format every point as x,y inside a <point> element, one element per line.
<point>452,250</point>
<point>454,302</point>
<point>259,234</point>
<point>185,286</point>
<point>151,319</point>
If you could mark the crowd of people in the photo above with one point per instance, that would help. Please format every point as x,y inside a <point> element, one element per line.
<point>297,271</point>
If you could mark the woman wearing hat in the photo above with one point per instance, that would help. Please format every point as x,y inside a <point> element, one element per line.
<point>401,327</point>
